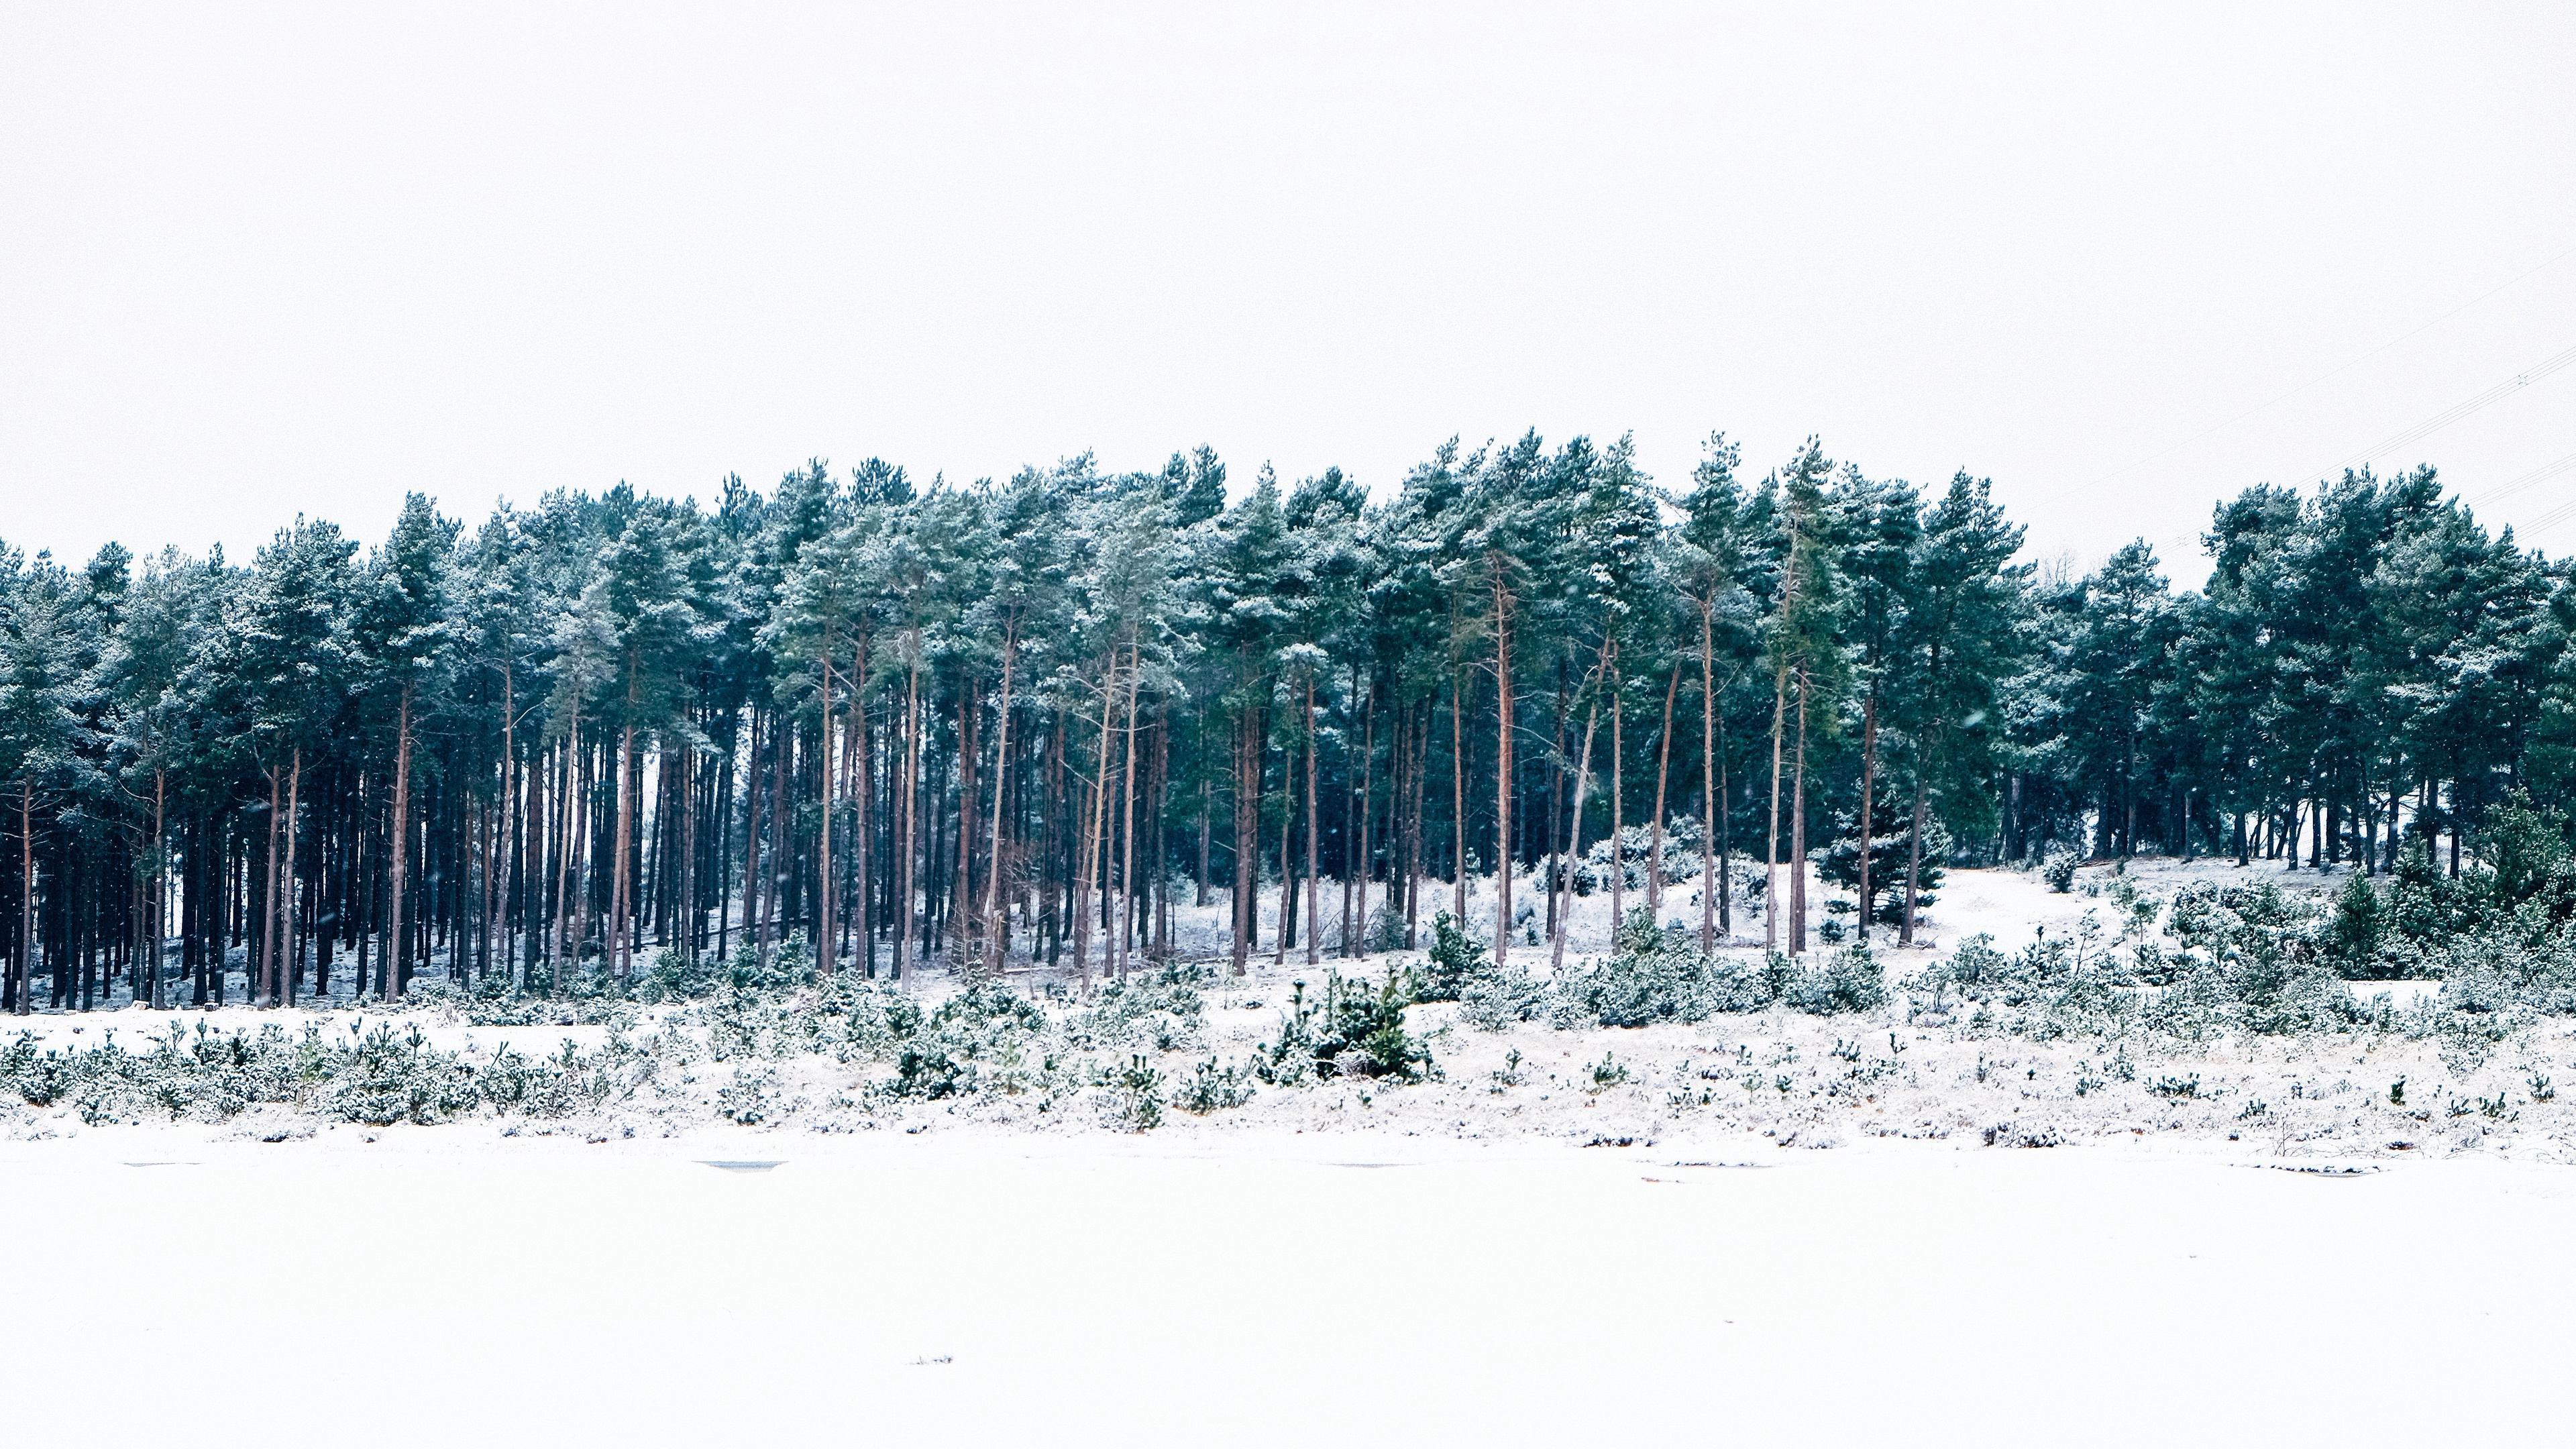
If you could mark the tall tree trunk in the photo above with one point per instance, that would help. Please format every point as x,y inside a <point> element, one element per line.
<point>264,981</point>
<point>1314,832</point>
<point>1712,881</point>
<point>1286,934</point>
<point>1127,818</point>
<point>391,963</point>
<point>826,944</point>
<point>27,899</point>
<point>1093,835</point>
<point>1798,830</point>
<point>1913,866</point>
<point>620,902</point>
<point>1458,800</point>
<point>1574,847</point>
<point>1502,769</point>
<point>1868,778</point>
<point>1247,835</point>
<point>1663,777</point>
<point>903,916</point>
<point>290,964</point>
<point>993,937</point>
<point>1771,858</point>
<point>160,885</point>
<point>1356,944</point>
<point>1618,822</point>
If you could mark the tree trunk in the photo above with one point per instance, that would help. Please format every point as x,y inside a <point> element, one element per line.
<point>1663,777</point>
<point>903,918</point>
<point>1314,822</point>
<point>993,938</point>
<point>1798,830</point>
<point>1771,858</point>
<point>1127,818</point>
<point>394,956</point>
<point>264,988</point>
<point>825,944</point>
<point>1458,801</point>
<point>1247,835</point>
<point>1502,769</point>
<point>1618,821</point>
<point>1574,838</point>
<point>290,964</point>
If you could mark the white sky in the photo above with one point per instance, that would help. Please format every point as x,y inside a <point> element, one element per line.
<point>259,261</point>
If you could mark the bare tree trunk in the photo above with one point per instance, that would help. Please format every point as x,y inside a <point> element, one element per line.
<point>1798,830</point>
<point>1094,831</point>
<point>264,988</point>
<point>1618,823</point>
<point>993,937</point>
<point>1458,800</point>
<point>1314,823</point>
<point>1502,774</point>
<point>620,904</point>
<point>27,901</point>
<point>289,965</point>
<point>1247,836</point>
<point>1127,819</point>
<point>1868,778</point>
<point>826,946</point>
<point>1357,944</point>
<point>1663,777</point>
<point>1771,859</point>
<point>394,955</point>
<point>903,920</point>
<point>160,884</point>
<point>1712,880</point>
<point>565,793</point>
<point>1287,929</point>
<point>1574,848</point>
<point>1913,868</point>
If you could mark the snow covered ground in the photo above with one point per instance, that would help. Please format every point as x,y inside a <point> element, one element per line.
<point>1573,1235</point>
<point>444,1287</point>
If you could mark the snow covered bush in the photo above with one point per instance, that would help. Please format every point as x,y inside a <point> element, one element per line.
<point>1355,1032</point>
<point>1211,1088</point>
<point>1456,962</point>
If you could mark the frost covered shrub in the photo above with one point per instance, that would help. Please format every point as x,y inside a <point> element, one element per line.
<point>2059,872</point>
<point>1356,1032</point>
<point>1137,1095</point>
<point>977,1041</point>
<point>1850,981</point>
<point>744,1101</point>
<point>1384,932</point>
<point>1457,961</point>
<point>382,1080</point>
<point>1160,1009</point>
<point>1655,975</point>
<point>1211,1088</point>
<point>1498,1000</point>
<point>674,977</point>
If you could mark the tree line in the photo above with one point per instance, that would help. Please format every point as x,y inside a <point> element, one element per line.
<point>1013,724</point>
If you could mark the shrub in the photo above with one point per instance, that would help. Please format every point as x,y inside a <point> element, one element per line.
<point>2059,872</point>
<point>1210,1088</point>
<point>1357,1032</point>
<point>1457,961</point>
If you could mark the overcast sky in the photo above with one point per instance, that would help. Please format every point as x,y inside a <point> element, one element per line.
<point>256,261</point>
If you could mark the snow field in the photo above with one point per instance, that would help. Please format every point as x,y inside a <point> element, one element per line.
<point>1282,1291</point>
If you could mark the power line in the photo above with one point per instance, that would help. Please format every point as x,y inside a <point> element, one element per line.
<point>2329,376</point>
<point>2453,414</point>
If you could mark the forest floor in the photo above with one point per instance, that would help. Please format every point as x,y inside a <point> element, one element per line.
<point>1568,1233</point>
